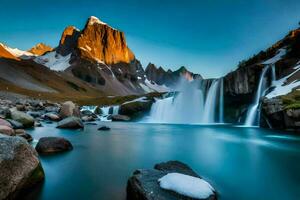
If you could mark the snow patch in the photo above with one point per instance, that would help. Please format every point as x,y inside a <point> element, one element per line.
<point>94,20</point>
<point>54,61</point>
<point>186,185</point>
<point>280,53</point>
<point>141,99</point>
<point>154,87</point>
<point>281,89</point>
<point>18,53</point>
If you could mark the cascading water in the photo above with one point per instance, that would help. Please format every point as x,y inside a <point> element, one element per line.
<point>273,74</point>
<point>210,103</point>
<point>221,102</point>
<point>186,106</point>
<point>252,113</point>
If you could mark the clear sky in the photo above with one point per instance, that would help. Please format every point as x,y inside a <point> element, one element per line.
<point>207,36</point>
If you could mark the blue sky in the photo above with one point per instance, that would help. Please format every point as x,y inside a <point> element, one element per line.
<point>207,36</point>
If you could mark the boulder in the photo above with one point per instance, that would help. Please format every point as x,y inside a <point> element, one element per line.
<point>88,118</point>
<point>70,123</point>
<point>15,124</point>
<point>69,109</point>
<point>143,184</point>
<point>20,167</point>
<point>26,120</point>
<point>48,145</point>
<point>135,109</point>
<point>3,122</point>
<point>119,118</point>
<point>88,113</point>
<point>4,112</point>
<point>98,110</point>
<point>34,114</point>
<point>6,130</point>
<point>51,116</point>
<point>103,128</point>
<point>22,133</point>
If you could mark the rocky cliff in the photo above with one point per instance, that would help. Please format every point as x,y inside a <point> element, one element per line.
<point>281,79</point>
<point>40,49</point>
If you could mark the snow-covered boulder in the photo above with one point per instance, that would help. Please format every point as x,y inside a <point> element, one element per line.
<point>168,181</point>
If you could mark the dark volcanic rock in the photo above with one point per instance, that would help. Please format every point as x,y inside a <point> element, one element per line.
<point>143,184</point>
<point>20,167</point>
<point>70,123</point>
<point>53,145</point>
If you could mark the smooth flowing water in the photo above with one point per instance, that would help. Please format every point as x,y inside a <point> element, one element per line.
<point>221,102</point>
<point>252,114</point>
<point>184,107</point>
<point>240,163</point>
<point>210,103</point>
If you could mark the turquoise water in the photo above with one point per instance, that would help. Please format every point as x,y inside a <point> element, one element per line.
<point>240,163</point>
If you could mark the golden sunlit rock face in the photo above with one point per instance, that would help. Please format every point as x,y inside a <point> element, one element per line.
<point>40,49</point>
<point>6,54</point>
<point>100,42</point>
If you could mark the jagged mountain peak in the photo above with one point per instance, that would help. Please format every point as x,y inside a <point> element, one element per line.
<point>92,20</point>
<point>40,49</point>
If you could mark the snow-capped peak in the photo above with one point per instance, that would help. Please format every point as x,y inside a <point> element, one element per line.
<point>17,52</point>
<point>93,20</point>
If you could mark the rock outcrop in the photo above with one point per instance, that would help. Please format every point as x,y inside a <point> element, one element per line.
<point>70,123</point>
<point>49,145</point>
<point>143,184</point>
<point>20,167</point>
<point>40,49</point>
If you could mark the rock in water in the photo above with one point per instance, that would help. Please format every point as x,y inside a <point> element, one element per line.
<point>143,184</point>
<point>47,145</point>
<point>69,109</point>
<point>26,120</point>
<point>70,123</point>
<point>103,128</point>
<point>119,118</point>
<point>20,167</point>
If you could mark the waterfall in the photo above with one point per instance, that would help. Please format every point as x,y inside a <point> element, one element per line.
<point>221,101</point>
<point>252,113</point>
<point>186,106</point>
<point>273,74</point>
<point>210,103</point>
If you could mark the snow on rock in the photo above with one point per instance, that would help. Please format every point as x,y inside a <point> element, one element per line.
<point>281,88</point>
<point>54,61</point>
<point>186,185</point>
<point>141,99</point>
<point>278,56</point>
<point>18,53</point>
<point>153,87</point>
<point>94,20</point>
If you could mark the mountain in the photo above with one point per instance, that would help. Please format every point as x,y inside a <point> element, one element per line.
<point>92,62</point>
<point>168,78</point>
<point>40,49</point>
